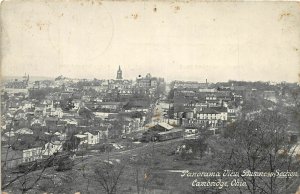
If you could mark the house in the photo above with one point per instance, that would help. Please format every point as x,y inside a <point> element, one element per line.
<point>40,111</point>
<point>92,137</point>
<point>161,127</point>
<point>130,124</point>
<point>223,112</point>
<point>60,136</point>
<point>21,152</point>
<point>47,103</point>
<point>77,104</point>
<point>211,116</point>
<point>58,112</point>
<point>146,82</point>
<point>86,98</point>
<point>134,105</point>
<point>270,95</point>
<point>82,138</point>
<point>52,147</point>
<point>66,95</point>
<point>51,122</point>
<point>110,106</point>
<point>24,131</point>
<point>36,123</point>
<point>119,86</point>
<point>232,112</point>
<point>190,130</point>
<point>251,115</point>
<point>10,133</point>
<point>32,153</point>
<point>27,105</point>
<point>190,84</point>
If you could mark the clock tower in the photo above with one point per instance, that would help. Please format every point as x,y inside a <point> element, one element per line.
<point>119,73</point>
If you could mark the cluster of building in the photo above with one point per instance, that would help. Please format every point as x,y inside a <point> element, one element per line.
<point>200,106</point>
<point>68,114</point>
<point>41,118</point>
<point>18,84</point>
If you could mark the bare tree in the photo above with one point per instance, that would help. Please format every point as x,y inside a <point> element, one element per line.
<point>24,176</point>
<point>256,146</point>
<point>108,176</point>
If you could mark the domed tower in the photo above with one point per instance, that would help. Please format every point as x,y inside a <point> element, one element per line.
<point>119,73</point>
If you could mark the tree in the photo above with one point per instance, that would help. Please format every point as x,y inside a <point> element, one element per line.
<point>5,97</point>
<point>86,114</point>
<point>66,104</point>
<point>39,94</point>
<point>26,176</point>
<point>71,144</point>
<point>65,164</point>
<point>108,176</point>
<point>171,95</point>
<point>143,172</point>
<point>259,145</point>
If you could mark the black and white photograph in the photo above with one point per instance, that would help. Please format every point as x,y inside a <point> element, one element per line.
<point>150,97</point>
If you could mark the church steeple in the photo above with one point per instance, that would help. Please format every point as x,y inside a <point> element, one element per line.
<point>119,73</point>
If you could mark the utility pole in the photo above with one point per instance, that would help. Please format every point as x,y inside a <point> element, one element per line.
<point>169,114</point>
<point>107,143</point>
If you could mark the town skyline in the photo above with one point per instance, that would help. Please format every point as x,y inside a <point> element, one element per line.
<point>203,80</point>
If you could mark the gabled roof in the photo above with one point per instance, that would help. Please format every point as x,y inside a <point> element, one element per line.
<point>220,109</point>
<point>139,103</point>
<point>51,119</point>
<point>10,133</point>
<point>110,103</point>
<point>27,142</point>
<point>57,133</point>
<point>92,132</point>
<point>80,136</point>
<point>24,131</point>
<point>36,121</point>
<point>166,126</point>
<point>209,111</point>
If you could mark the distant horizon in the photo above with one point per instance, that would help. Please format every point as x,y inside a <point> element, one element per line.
<point>40,78</point>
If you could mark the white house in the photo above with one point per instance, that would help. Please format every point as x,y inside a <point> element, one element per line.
<point>211,116</point>
<point>32,154</point>
<point>92,137</point>
<point>57,112</point>
<point>190,130</point>
<point>24,131</point>
<point>52,147</point>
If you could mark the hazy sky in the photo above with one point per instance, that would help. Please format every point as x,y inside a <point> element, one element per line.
<point>187,41</point>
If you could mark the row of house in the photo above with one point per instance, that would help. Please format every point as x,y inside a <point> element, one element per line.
<point>26,148</point>
<point>198,106</point>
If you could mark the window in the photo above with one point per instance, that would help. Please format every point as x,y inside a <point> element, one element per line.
<point>26,154</point>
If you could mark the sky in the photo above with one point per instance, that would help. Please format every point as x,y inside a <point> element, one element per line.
<point>251,41</point>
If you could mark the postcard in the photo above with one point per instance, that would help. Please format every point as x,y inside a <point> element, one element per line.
<point>150,97</point>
